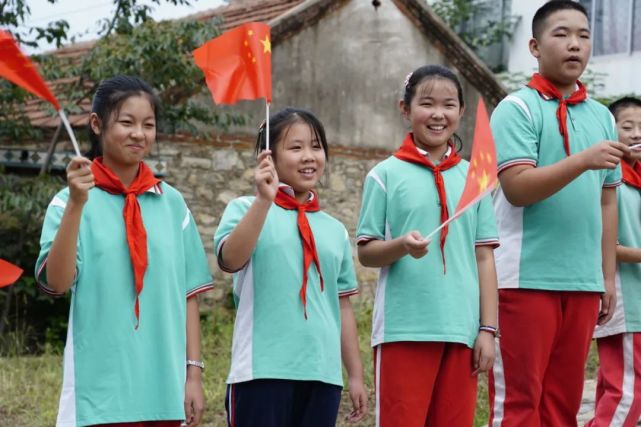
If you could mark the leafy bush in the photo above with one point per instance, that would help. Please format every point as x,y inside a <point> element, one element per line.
<point>29,320</point>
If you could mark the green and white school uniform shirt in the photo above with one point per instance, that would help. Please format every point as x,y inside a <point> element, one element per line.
<point>272,339</point>
<point>415,299</point>
<point>554,244</point>
<point>112,371</point>
<point>627,315</point>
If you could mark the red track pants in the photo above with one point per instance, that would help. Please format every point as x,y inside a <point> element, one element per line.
<point>537,380</point>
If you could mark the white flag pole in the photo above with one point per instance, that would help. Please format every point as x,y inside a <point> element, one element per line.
<point>429,236</point>
<point>266,124</point>
<point>65,121</point>
<point>457,214</point>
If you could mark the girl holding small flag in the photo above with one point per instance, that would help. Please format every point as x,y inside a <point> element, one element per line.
<point>128,248</point>
<point>435,311</point>
<point>293,275</point>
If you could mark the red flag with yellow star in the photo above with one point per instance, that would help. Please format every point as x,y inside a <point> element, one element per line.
<point>238,64</point>
<point>17,68</point>
<point>482,174</point>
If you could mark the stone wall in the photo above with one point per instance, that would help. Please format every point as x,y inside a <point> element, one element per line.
<point>211,174</point>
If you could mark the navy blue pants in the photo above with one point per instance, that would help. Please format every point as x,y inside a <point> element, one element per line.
<point>282,403</point>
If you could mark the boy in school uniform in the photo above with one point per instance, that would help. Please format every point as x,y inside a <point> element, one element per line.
<point>618,390</point>
<point>557,217</point>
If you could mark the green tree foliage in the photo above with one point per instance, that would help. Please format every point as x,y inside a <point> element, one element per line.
<point>159,52</point>
<point>460,16</point>
<point>28,318</point>
<point>14,14</point>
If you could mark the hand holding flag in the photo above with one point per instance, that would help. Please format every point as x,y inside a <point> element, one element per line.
<point>482,175</point>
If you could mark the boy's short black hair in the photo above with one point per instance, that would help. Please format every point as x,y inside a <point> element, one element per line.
<point>551,7</point>
<point>621,103</point>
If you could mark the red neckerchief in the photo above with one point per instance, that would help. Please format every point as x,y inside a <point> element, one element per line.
<point>632,174</point>
<point>544,87</point>
<point>409,153</point>
<point>106,180</point>
<point>286,201</point>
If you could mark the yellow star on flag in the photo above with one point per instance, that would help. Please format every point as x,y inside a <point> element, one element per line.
<point>483,181</point>
<point>267,45</point>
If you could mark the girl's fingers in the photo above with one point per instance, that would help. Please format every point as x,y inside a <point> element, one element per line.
<point>486,364</point>
<point>264,176</point>
<point>84,178</point>
<point>78,163</point>
<point>264,155</point>
<point>79,172</point>
<point>85,186</point>
<point>265,163</point>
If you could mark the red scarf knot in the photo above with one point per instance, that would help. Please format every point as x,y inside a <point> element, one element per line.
<point>107,180</point>
<point>286,201</point>
<point>544,87</point>
<point>409,153</point>
<point>632,174</point>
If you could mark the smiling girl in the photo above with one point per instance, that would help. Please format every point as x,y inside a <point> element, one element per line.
<point>129,250</point>
<point>293,275</point>
<point>434,313</point>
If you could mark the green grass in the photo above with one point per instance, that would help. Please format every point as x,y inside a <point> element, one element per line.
<point>30,386</point>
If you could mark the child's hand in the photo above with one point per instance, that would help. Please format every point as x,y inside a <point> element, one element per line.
<point>266,177</point>
<point>484,352</point>
<point>608,303</point>
<point>358,395</point>
<point>80,179</point>
<point>604,155</point>
<point>194,401</point>
<point>415,244</point>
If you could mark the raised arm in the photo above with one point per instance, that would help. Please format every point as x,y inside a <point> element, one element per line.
<point>61,262</point>
<point>525,184</point>
<point>240,244</point>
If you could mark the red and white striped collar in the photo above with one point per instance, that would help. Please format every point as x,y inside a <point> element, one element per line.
<point>549,98</point>
<point>155,189</point>
<point>289,190</point>
<point>427,154</point>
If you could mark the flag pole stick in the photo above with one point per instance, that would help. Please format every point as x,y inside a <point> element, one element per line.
<point>429,236</point>
<point>266,124</point>
<point>458,213</point>
<point>65,121</point>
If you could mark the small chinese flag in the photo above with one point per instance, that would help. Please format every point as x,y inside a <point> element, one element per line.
<point>9,273</point>
<point>238,64</point>
<point>482,173</point>
<point>17,68</point>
